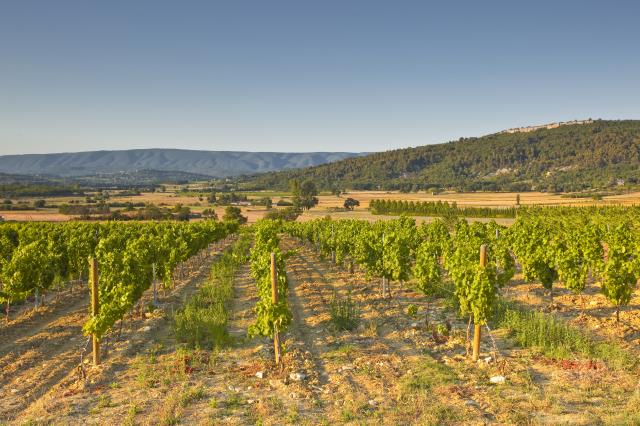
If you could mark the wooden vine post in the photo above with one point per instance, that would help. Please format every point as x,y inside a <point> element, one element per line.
<point>274,300</point>
<point>333,250</point>
<point>476,325</point>
<point>384,278</point>
<point>95,307</point>
<point>155,287</point>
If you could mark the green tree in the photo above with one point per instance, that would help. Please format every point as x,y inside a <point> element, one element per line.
<point>232,213</point>
<point>351,203</point>
<point>210,214</point>
<point>307,195</point>
<point>184,213</point>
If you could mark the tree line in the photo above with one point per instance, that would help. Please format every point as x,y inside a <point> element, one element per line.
<point>437,208</point>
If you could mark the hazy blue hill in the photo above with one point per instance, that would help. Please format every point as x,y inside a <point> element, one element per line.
<point>210,163</point>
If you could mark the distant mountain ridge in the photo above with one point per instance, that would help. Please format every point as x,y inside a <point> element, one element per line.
<point>210,163</point>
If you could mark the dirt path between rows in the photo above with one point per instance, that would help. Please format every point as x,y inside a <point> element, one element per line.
<point>27,322</point>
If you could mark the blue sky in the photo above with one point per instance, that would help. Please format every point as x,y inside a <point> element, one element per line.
<point>306,76</point>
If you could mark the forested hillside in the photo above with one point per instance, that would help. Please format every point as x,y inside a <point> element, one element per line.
<point>569,158</point>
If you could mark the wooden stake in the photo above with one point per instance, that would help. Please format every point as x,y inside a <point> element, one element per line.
<point>476,327</point>
<point>274,300</point>
<point>333,252</point>
<point>384,280</point>
<point>155,288</point>
<point>95,307</point>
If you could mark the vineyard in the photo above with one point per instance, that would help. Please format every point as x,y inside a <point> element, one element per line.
<point>342,321</point>
<point>36,258</point>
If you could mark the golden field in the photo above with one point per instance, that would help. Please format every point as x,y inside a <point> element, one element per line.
<point>328,203</point>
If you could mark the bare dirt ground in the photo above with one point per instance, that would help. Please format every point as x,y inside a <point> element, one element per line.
<point>391,369</point>
<point>40,351</point>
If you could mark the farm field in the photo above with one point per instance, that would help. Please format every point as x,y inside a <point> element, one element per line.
<point>327,203</point>
<point>482,199</point>
<point>391,369</point>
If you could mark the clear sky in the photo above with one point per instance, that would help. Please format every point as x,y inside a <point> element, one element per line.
<point>302,75</point>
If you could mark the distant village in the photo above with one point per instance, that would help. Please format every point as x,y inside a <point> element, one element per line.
<point>546,126</point>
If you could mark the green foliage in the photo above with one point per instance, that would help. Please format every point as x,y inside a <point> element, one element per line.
<point>269,316</point>
<point>288,214</point>
<point>621,269</point>
<point>435,208</point>
<point>476,286</point>
<point>232,213</point>
<point>385,248</point>
<point>304,194</point>
<point>532,245</point>
<point>427,269</point>
<point>34,257</point>
<point>412,310</point>
<point>32,267</point>
<point>351,203</point>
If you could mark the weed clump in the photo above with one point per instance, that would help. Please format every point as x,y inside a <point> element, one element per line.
<point>556,339</point>
<point>344,313</point>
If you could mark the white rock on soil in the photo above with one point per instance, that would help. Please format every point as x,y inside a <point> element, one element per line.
<point>497,379</point>
<point>372,402</point>
<point>145,328</point>
<point>470,403</point>
<point>488,359</point>
<point>260,374</point>
<point>297,377</point>
<point>414,325</point>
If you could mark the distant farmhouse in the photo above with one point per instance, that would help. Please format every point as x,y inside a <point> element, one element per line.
<point>546,126</point>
